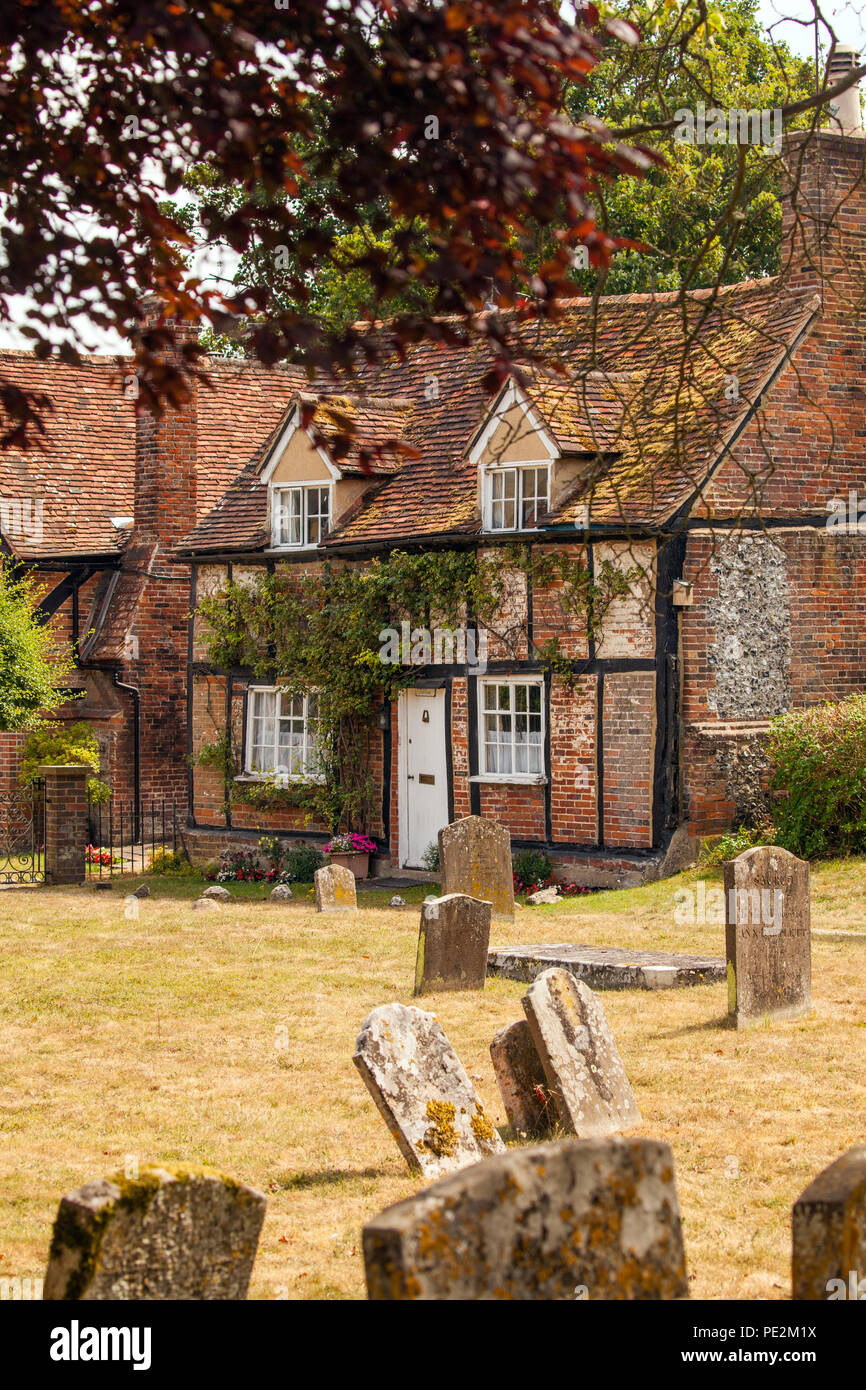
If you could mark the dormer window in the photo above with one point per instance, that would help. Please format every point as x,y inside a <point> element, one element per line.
<point>516,497</point>
<point>301,515</point>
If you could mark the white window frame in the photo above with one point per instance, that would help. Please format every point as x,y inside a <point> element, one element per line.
<point>304,490</point>
<point>519,470</point>
<point>536,682</point>
<point>286,777</point>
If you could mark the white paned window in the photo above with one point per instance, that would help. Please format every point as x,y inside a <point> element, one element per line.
<point>302,515</point>
<point>512,728</point>
<point>517,496</point>
<point>281,734</point>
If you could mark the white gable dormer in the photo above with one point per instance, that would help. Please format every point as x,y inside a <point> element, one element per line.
<point>300,479</point>
<point>514,454</point>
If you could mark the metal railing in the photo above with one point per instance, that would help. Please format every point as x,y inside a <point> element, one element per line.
<point>123,838</point>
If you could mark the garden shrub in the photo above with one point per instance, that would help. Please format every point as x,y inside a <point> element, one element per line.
<point>818,759</point>
<point>532,869</point>
<point>300,862</point>
<point>169,861</point>
<point>735,842</point>
<point>63,743</point>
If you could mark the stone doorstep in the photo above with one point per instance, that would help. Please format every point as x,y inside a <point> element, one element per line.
<point>608,967</point>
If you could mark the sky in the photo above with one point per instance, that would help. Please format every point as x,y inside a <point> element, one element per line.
<point>780,16</point>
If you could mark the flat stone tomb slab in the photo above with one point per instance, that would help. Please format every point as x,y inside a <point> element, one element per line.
<point>607,967</point>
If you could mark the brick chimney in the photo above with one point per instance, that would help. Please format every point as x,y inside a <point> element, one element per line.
<point>824,201</point>
<point>165,453</point>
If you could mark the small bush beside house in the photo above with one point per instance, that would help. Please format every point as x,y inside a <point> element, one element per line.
<point>818,758</point>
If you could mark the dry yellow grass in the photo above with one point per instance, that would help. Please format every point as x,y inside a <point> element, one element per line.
<point>226,1038</point>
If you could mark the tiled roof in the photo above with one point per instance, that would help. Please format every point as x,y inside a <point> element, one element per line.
<point>643,384</point>
<point>58,496</point>
<point>362,434</point>
<point>81,471</point>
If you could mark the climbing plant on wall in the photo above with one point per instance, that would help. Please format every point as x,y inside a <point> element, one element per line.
<point>321,629</point>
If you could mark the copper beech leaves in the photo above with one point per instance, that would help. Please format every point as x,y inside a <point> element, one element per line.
<point>104,106</point>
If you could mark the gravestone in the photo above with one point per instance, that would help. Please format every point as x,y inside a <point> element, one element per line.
<point>521,1079</point>
<point>171,1233</point>
<point>585,1075</point>
<point>544,895</point>
<point>422,1091</point>
<point>767,936</point>
<point>335,889</point>
<point>452,944</point>
<point>581,1219</point>
<point>475,858</point>
<point>829,1233</point>
<point>206,904</point>
<point>281,894</point>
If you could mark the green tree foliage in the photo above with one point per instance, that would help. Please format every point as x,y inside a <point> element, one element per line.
<point>680,213</point>
<point>447,117</point>
<point>31,667</point>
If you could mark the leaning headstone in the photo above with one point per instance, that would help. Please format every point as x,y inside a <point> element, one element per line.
<point>452,944</point>
<point>170,1233</point>
<point>218,893</point>
<point>594,1219</point>
<point>335,889</point>
<point>829,1233</point>
<point>422,1091</point>
<point>767,936</point>
<point>475,858</point>
<point>521,1079</point>
<point>584,1072</point>
<point>282,893</point>
<point>142,891</point>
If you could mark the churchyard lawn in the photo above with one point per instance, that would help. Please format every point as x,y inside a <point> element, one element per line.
<point>226,1038</point>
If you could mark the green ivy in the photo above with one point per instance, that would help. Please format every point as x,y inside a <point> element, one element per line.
<point>320,629</point>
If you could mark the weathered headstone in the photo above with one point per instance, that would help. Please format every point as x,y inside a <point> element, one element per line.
<point>585,1074</point>
<point>544,895</point>
<point>475,858</point>
<point>829,1233</point>
<point>170,1233</point>
<point>452,944</point>
<point>767,936</point>
<point>142,891</point>
<point>335,889</point>
<point>581,1219</point>
<point>521,1079</point>
<point>218,893</point>
<point>206,904</point>
<point>422,1091</point>
<point>281,894</point>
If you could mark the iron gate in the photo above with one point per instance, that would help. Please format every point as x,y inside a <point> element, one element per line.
<point>125,838</point>
<point>22,834</point>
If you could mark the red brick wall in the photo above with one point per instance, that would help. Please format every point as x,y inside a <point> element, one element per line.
<point>629,741</point>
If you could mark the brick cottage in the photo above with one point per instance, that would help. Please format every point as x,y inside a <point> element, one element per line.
<point>696,449</point>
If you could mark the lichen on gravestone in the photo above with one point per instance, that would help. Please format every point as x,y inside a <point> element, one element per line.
<point>173,1232</point>
<point>594,1219</point>
<point>422,1091</point>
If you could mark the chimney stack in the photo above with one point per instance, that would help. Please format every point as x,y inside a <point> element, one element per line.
<point>846,117</point>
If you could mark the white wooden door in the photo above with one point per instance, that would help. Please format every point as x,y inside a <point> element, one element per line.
<point>424,781</point>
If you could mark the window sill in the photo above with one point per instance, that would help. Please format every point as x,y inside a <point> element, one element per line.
<point>515,779</point>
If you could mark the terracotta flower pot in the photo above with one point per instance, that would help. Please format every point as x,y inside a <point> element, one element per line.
<point>358,863</point>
